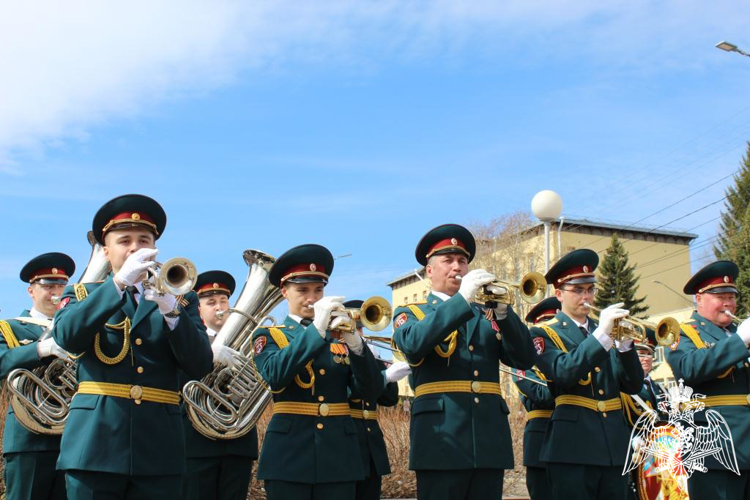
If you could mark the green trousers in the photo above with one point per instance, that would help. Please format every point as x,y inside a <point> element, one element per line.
<point>587,482</point>
<point>719,484</point>
<point>217,478</point>
<point>369,487</point>
<point>538,484</point>
<point>31,475</point>
<point>469,484</point>
<point>285,490</point>
<point>90,485</point>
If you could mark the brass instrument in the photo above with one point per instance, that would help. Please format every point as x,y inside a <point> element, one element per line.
<point>176,276</point>
<point>380,342</point>
<point>532,288</point>
<point>735,319</point>
<point>375,315</point>
<point>666,331</point>
<point>516,374</point>
<point>41,397</point>
<point>228,402</point>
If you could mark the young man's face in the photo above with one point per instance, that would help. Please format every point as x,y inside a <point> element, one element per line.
<point>573,298</point>
<point>41,296</point>
<point>647,361</point>
<point>300,296</point>
<point>208,308</point>
<point>712,306</point>
<point>443,269</point>
<point>122,243</point>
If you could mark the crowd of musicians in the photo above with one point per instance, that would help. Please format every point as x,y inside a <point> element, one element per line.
<point>128,435</point>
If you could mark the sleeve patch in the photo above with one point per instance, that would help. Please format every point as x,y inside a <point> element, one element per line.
<point>259,344</point>
<point>539,345</point>
<point>400,320</point>
<point>64,302</point>
<point>673,346</point>
<point>520,374</point>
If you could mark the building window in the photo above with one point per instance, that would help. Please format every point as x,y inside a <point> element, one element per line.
<point>424,294</point>
<point>406,300</point>
<point>415,297</point>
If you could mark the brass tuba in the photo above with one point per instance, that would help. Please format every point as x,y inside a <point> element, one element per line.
<point>227,403</point>
<point>41,397</point>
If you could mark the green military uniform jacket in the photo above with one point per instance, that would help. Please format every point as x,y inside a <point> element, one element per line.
<point>371,441</point>
<point>199,446</point>
<point>721,368</point>
<point>311,449</point>
<point>114,434</point>
<point>460,430</point>
<point>579,435</point>
<point>534,397</point>
<point>16,437</point>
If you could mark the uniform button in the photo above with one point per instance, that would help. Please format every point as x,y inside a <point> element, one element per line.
<point>601,391</point>
<point>139,369</point>
<point>604,414</point>
<point>322,371</point>
<point>137,401</point>
<point>476,373</point>
<point>747,365</point>
<point>368,429</point>
<point>597,369</point>
<point>367,404</point>
<point>476,400</point>
<point>471,347</point>
<point>138,341</point>
<point>320,426</point>
<point>321,398</point>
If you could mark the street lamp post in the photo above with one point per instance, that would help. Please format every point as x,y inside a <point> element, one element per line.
<point>730,47</point>
<point>546,206</point>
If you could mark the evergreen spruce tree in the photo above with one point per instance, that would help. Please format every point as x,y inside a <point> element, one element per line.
<point>617,281</point>
<point>737,202</point>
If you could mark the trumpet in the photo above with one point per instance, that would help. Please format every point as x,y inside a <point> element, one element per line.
<point>176,276</point>
<point>666,331</point>
<point>735,319</point>
<point>380,342</point>
<point>375,315</point>
<point>532,287</point>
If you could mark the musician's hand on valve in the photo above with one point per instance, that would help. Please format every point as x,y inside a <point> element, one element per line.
<point>744,331</point>
<point>471,283</point>
<point>607,323</point>
<point>323,309</point>
<point>224,355</point>
<point>135,266</point>
<point>397,371</point>
<point>166,302</point>
<point>48,347</point>
<point>501,311</point>
<point>353,342</point>
<point>625,345</point>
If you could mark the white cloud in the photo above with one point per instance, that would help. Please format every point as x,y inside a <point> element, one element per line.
<point>71,66</point>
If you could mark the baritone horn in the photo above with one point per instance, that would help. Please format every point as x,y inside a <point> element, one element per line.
<point>176,276</point>
<point>532,288</point>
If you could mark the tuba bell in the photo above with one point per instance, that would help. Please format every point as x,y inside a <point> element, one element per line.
<point>227,403</point>
<point>41,397</point>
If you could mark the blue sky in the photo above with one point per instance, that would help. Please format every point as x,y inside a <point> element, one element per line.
<point>359,125</point>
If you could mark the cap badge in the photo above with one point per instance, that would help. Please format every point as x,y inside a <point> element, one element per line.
<point>54,270</point>
<point>585,269</point>
<point>313,267</point>
<point>454,241</point>
<point>216,285</point>
<point>136,216</point>
<point>726,279</point>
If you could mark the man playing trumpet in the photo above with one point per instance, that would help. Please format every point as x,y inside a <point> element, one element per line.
<point>711,355</point>
<point>124,436</point>
<point>586,370</point>
<point>28,454</point>
<point>460,437</point>
<point>310,449</point>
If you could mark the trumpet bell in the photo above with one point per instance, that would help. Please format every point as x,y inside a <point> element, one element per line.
<point>177,276</point>
<point>667,331</point>
<point>375,313</point>
<point>533,287</point>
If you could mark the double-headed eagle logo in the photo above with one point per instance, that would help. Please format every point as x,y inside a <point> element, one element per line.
<point>678,445</point>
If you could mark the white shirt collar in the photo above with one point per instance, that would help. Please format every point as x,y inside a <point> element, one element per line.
<point>211,332</point>
<point>296,318</point>
<point>441,295</point>
<point>38,315</point>
<point>584,324</point>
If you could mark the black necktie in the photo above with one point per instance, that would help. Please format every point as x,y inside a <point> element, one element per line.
<point>305,322</point>
<point>132,291</point>
<point>584,331</point>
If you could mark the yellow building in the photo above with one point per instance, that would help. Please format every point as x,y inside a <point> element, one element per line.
<point>661,258</point>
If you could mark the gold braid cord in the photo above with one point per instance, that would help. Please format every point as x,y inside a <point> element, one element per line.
<point>7,332</point>
<point>452,339</point>
<point>693,335</point>
<point>282,342</point>
<point>125,327</point>
<point>552,334</point>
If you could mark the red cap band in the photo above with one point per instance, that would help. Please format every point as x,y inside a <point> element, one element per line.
<point>49,273</point>
<point>310,269</point>
<point>450,243</point>
<point>573,273</point>
<point>130,218</point>
<point>214,287</point>
<point>716,282</point>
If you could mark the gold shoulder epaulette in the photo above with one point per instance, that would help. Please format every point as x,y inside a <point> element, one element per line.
<point>549,322</point>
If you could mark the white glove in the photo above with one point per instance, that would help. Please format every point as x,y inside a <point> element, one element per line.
<point>472,281</point>
<point>607,322</point>
<point>397,371</point>
<point>166,302</point>
<point>135,266</point>
<point>501,311</point>
<point>625,345</point>
<point>323,309</point>
<point>225,355</point>
<point>353,342</point>
<point>744,331</point>
<point>48,347</point>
